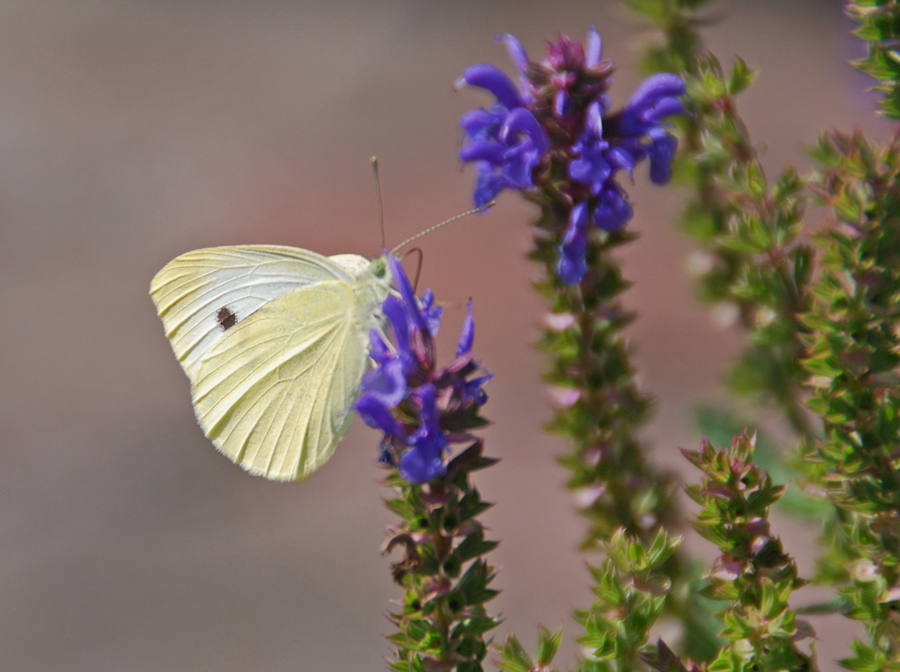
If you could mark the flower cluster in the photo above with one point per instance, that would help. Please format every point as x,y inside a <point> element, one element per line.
<point>555,129</point>
<point>420,408</point>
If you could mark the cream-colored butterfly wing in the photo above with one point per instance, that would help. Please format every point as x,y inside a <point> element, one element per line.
<point>273,380</point>
<point>199,295</point>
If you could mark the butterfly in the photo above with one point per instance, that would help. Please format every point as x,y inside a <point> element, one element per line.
<point>275,342</point>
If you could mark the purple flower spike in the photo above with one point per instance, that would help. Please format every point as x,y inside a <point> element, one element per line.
<point>571,265</point>
<point>496,81</point>
<point>559,124</point>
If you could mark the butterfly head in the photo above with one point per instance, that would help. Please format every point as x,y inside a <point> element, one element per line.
<point>379,266</point>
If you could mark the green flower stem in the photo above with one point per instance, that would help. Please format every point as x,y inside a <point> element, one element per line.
<point>445,577</point>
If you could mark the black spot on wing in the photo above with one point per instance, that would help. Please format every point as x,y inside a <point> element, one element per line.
<point>226,318</point>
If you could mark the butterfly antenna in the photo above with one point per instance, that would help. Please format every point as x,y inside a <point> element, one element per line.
<point>374,161</point>
<point>437,226</point>
<point>421,256</point>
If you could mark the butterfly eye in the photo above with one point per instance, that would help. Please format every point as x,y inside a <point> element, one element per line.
<point>379,267</point>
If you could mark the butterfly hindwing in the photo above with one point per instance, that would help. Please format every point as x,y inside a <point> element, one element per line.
<point>275,342</point>
<point>203,294</point>
<point>276,394</point>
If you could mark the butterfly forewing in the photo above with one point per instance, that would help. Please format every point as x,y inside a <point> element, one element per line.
<point>276,395</point>
<point>203,294</point>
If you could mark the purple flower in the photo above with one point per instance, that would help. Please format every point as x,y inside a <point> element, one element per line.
<point>571,265</point>
<point>421,409</point>
<point>655,99</point>
<point>423,461</point>
<point>613,211</point>
<point>591,167</point>
<point>505,142</point>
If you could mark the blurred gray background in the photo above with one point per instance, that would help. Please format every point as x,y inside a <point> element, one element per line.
<point>132,131</point>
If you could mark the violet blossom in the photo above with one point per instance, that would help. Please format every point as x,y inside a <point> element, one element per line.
<point>422,409</point>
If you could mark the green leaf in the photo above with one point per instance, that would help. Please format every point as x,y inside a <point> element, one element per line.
<point>548,645</point>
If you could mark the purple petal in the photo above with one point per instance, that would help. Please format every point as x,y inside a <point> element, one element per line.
<point>662,109</point>
<point>424,459</point>
<point>421,464</point>
<point>427,397</point>
<point>560,103</point>
<point>518,165</point>
<point>661,152</point>
<point>483,150</point>
<point>481,124</point>
<point>619,159</point>
<point>393,309</point>
<point>467,335</point>
<point>523,121</point>
<point>593,48</point>
<point>410,304</point>
<point>472,390</point>
<point>378,349</point>
<point>515,50</point>
<point>594,123</point>
<point>386,383</point>
<point>614,211</point>
<point>571,265</point>
<point>433,314</point>
<point>493,79</point>
<point>654,88</point>
<point>377,415</point>
<point>487,185</point>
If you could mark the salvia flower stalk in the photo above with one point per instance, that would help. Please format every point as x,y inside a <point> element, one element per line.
<point>423,410</point>
<point>555,137</point>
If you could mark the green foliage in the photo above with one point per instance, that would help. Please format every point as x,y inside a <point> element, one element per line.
<point>852,356</point>
<point>515,659</point>
<point>749,229</point>
<point>443,620</point>
<point>746,228</point>
<point>879,26</point>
